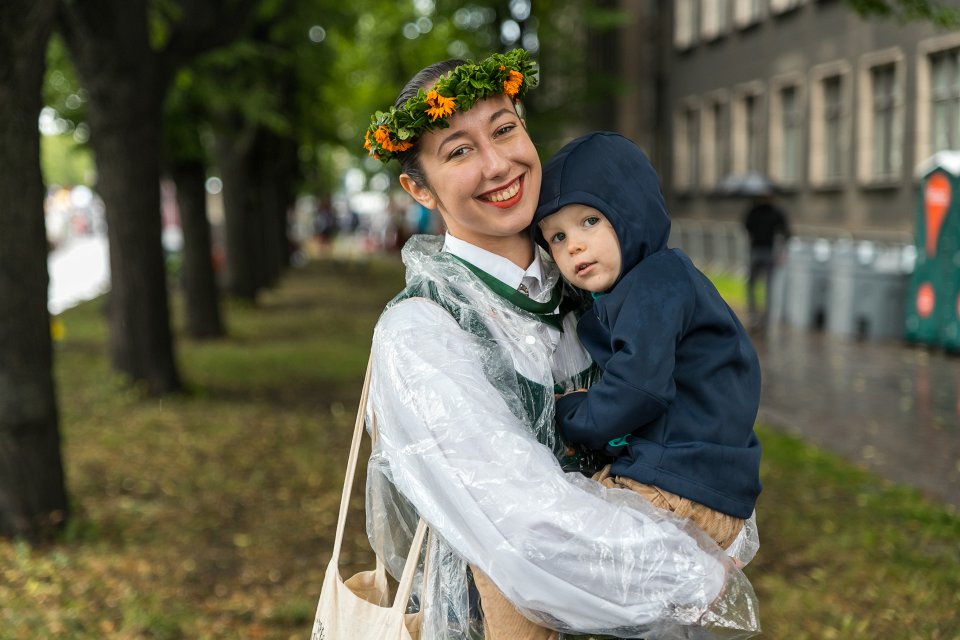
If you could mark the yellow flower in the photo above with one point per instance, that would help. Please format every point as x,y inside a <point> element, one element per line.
<point>439,106</point>
<point>512,84</point>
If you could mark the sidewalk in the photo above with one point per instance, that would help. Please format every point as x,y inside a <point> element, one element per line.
<point>890,407</point>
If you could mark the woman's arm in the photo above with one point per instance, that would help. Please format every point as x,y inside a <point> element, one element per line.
<point>464,460</point>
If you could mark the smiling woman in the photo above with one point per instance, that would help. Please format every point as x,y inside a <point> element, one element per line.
<point>465,364</point>
<point>484,179</point>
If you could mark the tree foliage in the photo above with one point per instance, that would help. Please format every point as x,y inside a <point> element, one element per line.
<point>938,13</point>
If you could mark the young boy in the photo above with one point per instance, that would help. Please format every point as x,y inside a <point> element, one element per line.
<point>680,388</point>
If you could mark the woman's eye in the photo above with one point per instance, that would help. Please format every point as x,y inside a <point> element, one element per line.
<point>456,153</point>
<point>507,128</point>
<point>592,220</point>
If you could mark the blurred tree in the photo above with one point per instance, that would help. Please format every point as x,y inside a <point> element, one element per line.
<point>942,14</point>
<point>185,160</point>
<point>126,53</point>
<point>33,501</point>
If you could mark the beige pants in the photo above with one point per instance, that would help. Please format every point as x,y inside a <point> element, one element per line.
<point>719,526</point>
<point>502,621</point>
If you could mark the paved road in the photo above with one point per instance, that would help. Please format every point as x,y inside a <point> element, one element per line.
<point>890,407</point>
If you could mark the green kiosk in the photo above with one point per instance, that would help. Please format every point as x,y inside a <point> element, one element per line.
<point>933,305</point>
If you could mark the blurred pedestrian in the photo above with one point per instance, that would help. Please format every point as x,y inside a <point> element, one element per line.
<point>768,229</point>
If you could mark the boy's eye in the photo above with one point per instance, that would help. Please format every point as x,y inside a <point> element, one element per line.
<point>592,220</point>
<point>559,236</point>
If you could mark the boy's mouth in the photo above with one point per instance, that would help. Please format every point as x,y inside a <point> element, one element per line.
<point>580,267</point>
<point>505,196</point>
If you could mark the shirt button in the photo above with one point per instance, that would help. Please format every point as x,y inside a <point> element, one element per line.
<point>531,340</point>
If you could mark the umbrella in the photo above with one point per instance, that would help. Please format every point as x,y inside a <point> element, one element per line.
<point>752,183</point>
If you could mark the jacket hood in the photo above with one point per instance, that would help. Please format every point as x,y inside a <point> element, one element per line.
<point>611,174</point>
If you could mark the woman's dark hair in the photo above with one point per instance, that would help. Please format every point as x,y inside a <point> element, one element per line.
<point>410,159</point>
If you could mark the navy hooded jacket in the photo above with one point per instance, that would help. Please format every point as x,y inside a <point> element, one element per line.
<point>681,378</point>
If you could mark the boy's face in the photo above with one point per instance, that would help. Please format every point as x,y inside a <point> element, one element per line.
<point>584,245</point>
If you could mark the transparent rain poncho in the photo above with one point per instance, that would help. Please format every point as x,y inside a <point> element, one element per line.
<point>463,387</point>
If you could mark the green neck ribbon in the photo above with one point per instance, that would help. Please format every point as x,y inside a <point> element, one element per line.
<point>545,311</point>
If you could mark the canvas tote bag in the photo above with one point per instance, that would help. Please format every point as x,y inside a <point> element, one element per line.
<point>358,608</point>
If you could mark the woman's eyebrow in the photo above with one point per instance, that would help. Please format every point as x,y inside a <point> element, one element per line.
<point>460,134</point>
<point>450,138</point>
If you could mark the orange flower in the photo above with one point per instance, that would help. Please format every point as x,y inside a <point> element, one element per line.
<point>382,136</point>
<point>512,84</point>
<point>399,147</point>
<point>439,106</point>
<point>366,141</point>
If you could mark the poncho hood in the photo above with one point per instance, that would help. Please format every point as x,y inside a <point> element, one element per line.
<point>610,173</point>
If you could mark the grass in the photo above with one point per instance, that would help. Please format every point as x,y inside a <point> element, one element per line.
<point>211,514</point>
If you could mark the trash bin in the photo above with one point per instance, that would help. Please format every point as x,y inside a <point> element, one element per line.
<point>931,315</point>
<point>807,283</point>
<point>868,285</point>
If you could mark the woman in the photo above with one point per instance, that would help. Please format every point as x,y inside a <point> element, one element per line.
<point>466,362</point>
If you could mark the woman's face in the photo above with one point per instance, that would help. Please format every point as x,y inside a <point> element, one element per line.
<point>483,173</point>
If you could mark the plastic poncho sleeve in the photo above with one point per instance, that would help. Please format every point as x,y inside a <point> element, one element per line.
<point>559,551</point>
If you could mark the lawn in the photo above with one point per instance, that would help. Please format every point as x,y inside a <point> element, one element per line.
<point>211,514</point>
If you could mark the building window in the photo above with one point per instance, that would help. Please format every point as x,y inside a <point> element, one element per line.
<point>715,19</point>
<point>791,128</point>
<point>687,149</point>
<point>886,154</point>
<point>945,100</point>
<point>880,117</point>
<point>751,112</point>
<point>748,129</point>
<point>937,117</point>
<point>747,12</point>
<point>833,128</point>
<point>829,124</point>
<point>715,142</point>
<point>782,6</point>
<point>685,23</point>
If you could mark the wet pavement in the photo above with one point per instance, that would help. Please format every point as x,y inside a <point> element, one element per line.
<point>890,407</point>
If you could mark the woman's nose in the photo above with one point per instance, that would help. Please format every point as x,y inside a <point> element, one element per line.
<point>495,163</point>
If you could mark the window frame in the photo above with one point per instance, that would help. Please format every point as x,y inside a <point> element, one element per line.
<point>867,173</point>
<point>816,165</point>
<point>778,85</point>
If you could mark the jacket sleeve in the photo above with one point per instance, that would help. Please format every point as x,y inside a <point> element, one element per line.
<point>637,384</point>
<point>558,549</point>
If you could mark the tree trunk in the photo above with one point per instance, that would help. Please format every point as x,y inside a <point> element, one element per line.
<point>202,298</point>
<point>33,501</point>
<point>277,164</point>
<point>110,48</point>
<point>242,216</point>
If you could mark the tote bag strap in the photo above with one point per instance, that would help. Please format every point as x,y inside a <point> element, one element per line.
<point>409,570</point>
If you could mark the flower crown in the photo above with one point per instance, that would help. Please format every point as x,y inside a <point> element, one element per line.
<point>393,132</point>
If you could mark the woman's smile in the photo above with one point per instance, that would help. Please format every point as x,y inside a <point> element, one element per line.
<point>504,197</point>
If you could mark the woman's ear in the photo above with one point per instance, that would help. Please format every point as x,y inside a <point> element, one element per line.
<point>418,192</point>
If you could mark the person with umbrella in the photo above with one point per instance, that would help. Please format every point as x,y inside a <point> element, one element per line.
<point>768,229</point>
